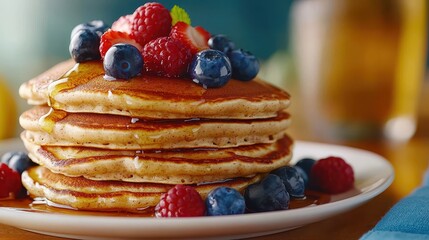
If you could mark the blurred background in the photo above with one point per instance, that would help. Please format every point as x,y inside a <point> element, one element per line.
<point>355,69</point>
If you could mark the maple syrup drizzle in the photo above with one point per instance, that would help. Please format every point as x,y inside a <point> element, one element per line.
<point>47,121</point>
<point>79,74</point>
<point>42,205</point>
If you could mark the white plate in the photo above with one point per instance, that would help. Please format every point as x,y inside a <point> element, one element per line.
<point>373,175</point>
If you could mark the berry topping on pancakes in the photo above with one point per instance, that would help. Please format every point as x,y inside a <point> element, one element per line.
<point>123,24</point>
<point>112,37</point>
<point>210,68</point>
<point>222,43</point>
<point>123,61</point>
<point>167,42</point>
<point>84,46</point>
<point>149,22</point>
<point>167,57</point>
<point>194,38</point>
<point>97,26</point>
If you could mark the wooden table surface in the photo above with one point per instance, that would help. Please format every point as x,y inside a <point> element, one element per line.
<point>410,161</point>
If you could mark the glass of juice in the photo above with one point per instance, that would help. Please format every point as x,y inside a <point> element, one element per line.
<point>360,66</point>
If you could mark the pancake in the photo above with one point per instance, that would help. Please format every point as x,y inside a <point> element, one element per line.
<point>179,166</point>
<point>83,89</point>
<point>121,132</point>
<point>84,194</point>
<point>35,91</point>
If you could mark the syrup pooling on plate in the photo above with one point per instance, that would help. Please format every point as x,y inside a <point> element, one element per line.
<point>40,205</point>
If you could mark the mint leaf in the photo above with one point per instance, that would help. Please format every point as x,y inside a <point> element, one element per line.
<point>179,14</point>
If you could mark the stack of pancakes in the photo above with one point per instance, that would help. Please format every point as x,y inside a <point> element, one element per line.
<point>118,145</point>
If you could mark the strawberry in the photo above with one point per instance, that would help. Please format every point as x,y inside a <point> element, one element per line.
<point>112,37</point>
<point>166,57</point>
<point>195,38</point>
<point>150,21</point>
<point>123,24</point>
<point>10,182</point>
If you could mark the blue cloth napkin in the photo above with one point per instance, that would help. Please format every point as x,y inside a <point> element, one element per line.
<point>408,219</point>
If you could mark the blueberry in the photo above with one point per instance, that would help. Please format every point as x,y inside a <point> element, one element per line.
<point>18,161</point>
<point>292,180</point>
<point>96,26</point>
<point>123,61</point>
<point>6,157</point>
<point>84,46</point>
<point>210,68</point>
<point>225,201</point>
<point>268,195</point>
<point>222,43</point>
<point>303,174</point>
<point>245,66</point>
<point>306,164</point>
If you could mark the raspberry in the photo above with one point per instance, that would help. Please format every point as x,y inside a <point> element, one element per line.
<point>112,37</point>
<point>180,201</point>
<point>332,175</point>
<point>150,21</point>
<point>167,57</point>
<point>10,181</point>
